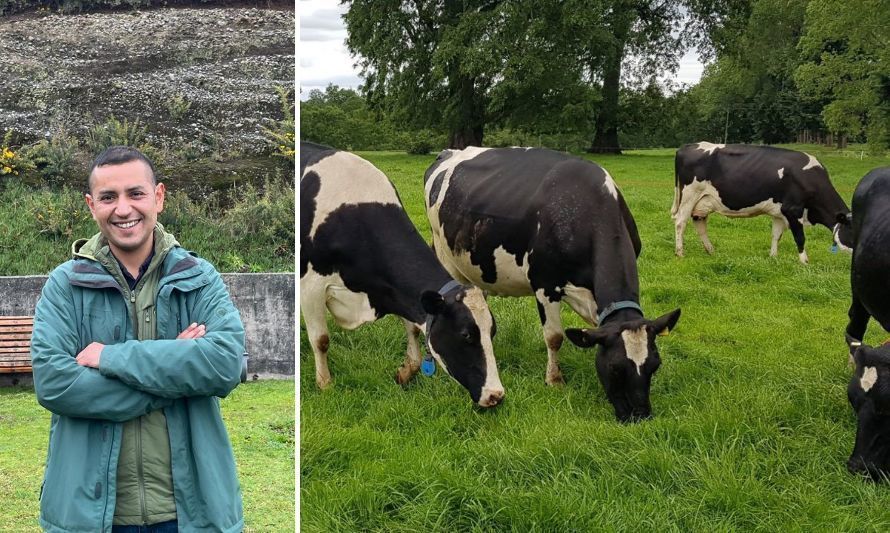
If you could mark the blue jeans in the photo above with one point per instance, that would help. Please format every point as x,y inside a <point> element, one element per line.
<point>160,527</point>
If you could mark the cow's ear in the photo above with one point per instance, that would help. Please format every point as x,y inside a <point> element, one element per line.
<point>432,302</point>
<point>665,323</point>
<point>585,338</point>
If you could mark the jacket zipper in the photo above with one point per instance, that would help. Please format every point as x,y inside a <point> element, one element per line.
<point>140,473</point>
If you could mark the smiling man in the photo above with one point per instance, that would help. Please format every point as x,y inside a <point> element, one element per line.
<point>134,339</point>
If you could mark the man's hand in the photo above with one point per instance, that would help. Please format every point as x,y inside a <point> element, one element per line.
<point>194,331</point>
<point>89,356</point>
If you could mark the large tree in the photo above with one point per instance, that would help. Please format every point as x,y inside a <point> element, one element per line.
<point>422,63</point>
<point>847,51</point>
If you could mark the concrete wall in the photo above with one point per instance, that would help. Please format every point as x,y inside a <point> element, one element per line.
<point>265,301</point>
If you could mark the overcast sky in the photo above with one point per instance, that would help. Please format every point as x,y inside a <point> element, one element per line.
<point>325,60</point>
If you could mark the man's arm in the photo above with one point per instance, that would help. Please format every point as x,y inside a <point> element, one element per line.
<point>209,365</point>
<point>65,387</point>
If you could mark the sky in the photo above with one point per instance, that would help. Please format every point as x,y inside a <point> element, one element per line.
<point>325,60</point>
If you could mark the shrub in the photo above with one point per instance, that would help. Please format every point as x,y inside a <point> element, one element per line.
<point>57,159</point>
<point>282,134</point>
<point>177,106</point>
<point>114,132</point>
<point>60,214</point>
<point>419,146</point>
<point>264,218</point>
<point>11,162</point>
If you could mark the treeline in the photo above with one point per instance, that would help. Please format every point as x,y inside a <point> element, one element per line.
<point>584,75</point>
<point>14,7</point>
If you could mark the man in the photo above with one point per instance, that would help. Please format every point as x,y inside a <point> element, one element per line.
<point>134,340</point>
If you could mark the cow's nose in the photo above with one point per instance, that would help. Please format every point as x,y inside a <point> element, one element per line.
<point>491,397</point>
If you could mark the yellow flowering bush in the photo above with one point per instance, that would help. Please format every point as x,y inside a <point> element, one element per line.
<point>282,134</point>
<point>11,163</point>
<point>59,215</point>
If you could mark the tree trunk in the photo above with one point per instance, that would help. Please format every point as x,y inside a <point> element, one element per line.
<point>606,139</point>
<point>468,121</point>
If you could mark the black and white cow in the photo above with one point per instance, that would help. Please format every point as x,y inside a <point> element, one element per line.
<point>529,221</point>
<point>361,258</point>
<point>740,180</point>
<point>869,388</point>
<point>869,395</point>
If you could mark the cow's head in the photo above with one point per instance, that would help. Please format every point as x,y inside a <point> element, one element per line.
<point>869,395</point>
<point>626,360</point>
<point>459,331</point>
<point>842,232</point>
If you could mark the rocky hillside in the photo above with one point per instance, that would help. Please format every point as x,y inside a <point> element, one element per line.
<point>198,79</point>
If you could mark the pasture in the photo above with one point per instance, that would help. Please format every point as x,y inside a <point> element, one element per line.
<point>751,427</point>
<point>258,416</point>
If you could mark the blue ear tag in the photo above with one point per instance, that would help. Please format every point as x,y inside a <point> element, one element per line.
<point>833,248</point>
<point>428,366</point>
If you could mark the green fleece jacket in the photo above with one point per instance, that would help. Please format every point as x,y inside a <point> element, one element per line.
<point>83,302</point>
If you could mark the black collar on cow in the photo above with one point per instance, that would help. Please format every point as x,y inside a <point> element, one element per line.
<point>428,365</point>
<point>615,306</point>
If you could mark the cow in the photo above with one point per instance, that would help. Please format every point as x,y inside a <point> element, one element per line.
<point>869,396</point>
<point>531,221</point>
<point>361,258</point>
<point>870,236</point>
<point>740,180</point>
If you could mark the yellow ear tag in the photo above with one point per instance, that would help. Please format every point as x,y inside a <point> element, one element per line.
<point>664,332</point>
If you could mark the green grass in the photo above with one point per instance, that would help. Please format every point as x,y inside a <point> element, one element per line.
<point>751,430</point>
<point>260,420</point>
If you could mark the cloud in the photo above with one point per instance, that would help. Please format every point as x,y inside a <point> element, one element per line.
<point>322,25</point>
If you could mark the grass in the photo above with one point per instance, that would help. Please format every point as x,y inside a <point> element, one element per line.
<point>751,430</point>
<point>260,420</point>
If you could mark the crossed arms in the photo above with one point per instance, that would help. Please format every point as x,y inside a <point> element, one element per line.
<point>122,381</point>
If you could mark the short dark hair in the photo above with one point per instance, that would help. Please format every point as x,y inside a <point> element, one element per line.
<point>118,155</point>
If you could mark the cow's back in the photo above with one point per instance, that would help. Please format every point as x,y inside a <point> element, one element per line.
<point>871,252</point>
<point>506,218</point>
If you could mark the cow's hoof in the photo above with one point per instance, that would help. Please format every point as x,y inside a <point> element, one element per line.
<point>556,379</point>
<point>323,383</point>
<point>404,374</point>
<point>710,250</point>
<point>679,253</point>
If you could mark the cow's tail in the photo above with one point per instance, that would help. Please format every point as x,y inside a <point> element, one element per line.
<point>676,206</point>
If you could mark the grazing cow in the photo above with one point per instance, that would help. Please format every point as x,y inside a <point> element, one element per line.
<point>871,255</point>
<point>529,221</point>
<point>362,258</point>
<point>869,395</point>
<point>740,180</point>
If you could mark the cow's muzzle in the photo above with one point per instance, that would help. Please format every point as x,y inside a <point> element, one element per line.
<point>491,397</point>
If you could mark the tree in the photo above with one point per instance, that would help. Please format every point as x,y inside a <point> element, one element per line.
<point>846,49</point>
<point>421,62</point>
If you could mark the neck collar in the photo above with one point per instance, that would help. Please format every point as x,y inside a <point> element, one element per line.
<point>615,306</point>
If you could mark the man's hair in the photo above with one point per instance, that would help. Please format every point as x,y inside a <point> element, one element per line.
<point>118,155</point>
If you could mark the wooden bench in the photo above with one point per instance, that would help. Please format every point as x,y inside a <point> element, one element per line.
<point>15,344</point>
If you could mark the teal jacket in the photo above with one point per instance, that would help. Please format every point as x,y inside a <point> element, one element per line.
<point>82,303</point>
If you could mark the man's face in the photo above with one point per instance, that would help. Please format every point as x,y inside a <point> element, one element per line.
<point>125,204</point>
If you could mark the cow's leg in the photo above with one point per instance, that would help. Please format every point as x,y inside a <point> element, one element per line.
<point>684,212</point>
<point>548,311</point>
<point>797,231</point>
<point>701,226</point>
<point>857,325</point>
<point>412,356</point>
<point>779,227</point>
<point>312,305</point>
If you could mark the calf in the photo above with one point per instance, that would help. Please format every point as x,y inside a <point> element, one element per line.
<point>361,258</point>
<point>528,221</point>
<point>740,180</point>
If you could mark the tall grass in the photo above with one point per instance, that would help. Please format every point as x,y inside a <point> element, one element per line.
<point>258,416</point>
<point>250,231</point>
<point>751,430</point>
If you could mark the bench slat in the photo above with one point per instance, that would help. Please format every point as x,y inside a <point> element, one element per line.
<point>15,344</point>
